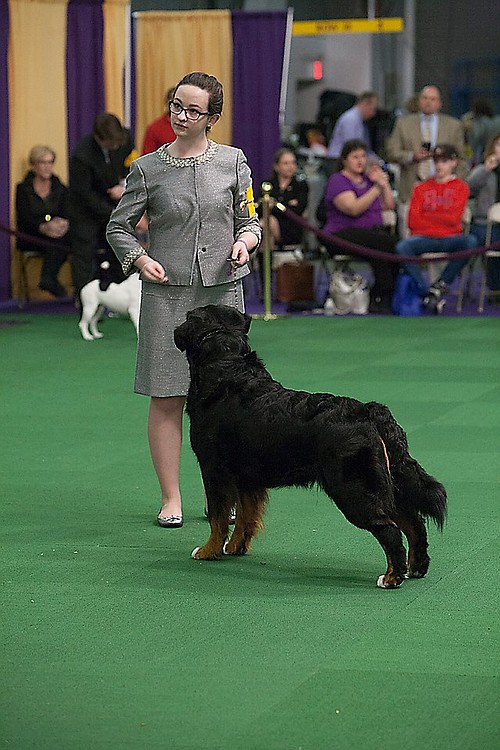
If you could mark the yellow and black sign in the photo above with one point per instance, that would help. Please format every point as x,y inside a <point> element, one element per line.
<point>348,26</point>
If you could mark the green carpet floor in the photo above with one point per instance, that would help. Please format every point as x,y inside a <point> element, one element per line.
<point>111,636</point>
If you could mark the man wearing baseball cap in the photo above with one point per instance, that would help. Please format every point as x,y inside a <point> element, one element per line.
<point>435,223</point>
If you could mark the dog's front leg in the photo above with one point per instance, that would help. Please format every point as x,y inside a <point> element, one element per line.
<point>219,504</point>
<point>212,550</point>
<point>248,521</point>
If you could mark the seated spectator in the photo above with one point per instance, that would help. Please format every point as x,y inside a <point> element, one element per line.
<point>412,142</point>
<point>159,131</point>
<point>484,184</point>
<point>355,198</point>
<point>42,211</point>
<point>316,142</point>
<point>290,190</point>
<point>435,223</point>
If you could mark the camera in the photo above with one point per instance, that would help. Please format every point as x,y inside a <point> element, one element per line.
<point>426,146</point>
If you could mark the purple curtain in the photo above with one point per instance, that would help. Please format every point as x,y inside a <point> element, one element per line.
<point>4,153</point>
<point>133,106</point>
<point>84,67</point>
<point>258,48</point>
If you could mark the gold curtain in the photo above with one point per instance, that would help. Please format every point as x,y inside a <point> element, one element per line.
<point>37,82</point>
<point>116,14</point>
<point>171,44</point>
<point>37,90</point>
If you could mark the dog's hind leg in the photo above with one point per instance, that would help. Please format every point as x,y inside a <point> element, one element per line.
<point>359,510</point>
<point>389,537</point>
<point>134,317</point>
<point>88,310</point>
<point>413,527</point>
<point>93,322</point>
<point>249,522</point>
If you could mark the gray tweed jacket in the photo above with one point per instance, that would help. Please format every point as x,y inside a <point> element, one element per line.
<point>197,207</point>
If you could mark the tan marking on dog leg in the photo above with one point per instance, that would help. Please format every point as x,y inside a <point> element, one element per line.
<point>386,456</point>
<point>212,550</point>
<point>418,559</point>
<point>248,523</point>
<point>387,581</point>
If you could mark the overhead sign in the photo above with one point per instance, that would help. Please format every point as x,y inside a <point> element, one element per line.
<point>348,26</point>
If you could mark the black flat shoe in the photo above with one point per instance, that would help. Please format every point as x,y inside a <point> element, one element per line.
<point>170,522</point>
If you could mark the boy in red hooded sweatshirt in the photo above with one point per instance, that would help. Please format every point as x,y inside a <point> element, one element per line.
<point>435,222</point>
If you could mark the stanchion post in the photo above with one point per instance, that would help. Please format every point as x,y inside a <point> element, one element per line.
<point>267,203</point>
<point>266,247</point>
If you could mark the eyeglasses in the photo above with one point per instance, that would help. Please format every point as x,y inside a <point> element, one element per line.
<point>190,112</point>
<point>45,161</point>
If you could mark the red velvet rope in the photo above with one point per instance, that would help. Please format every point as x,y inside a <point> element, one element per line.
<point>32,240</point>
<point>328,239</point>
<point>351,247</point>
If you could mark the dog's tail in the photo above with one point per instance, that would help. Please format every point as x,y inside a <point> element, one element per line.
<point>421,492</point>
<point>414,489</point>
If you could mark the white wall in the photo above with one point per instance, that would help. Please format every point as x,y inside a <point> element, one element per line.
<point>347,66</point>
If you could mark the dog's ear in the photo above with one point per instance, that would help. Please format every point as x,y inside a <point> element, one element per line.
<point>248,321</point>
<point>236,319</point>
<point>180,338</point>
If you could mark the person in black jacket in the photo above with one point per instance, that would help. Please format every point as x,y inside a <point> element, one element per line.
<point>42,213</point>
<point>96,183</point>
<point>292,192</point>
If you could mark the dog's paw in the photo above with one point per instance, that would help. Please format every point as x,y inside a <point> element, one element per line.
<point>415,574</point>
<point>86,334</point>
<point>383,583</point>
<point>236,548</point>
<point>202,553</point>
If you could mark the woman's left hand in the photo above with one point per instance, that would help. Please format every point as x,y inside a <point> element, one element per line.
<point>378,176</point>
<point>239,254</point>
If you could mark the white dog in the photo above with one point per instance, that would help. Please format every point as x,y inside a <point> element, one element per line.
<point>122,298</point>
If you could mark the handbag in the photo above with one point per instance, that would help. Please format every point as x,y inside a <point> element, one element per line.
<point>348,293</point>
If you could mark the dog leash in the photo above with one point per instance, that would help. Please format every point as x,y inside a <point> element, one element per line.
<point>232,272</point>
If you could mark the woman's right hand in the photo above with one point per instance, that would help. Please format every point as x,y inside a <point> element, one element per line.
<point>55,228</point>
<point>491,162</point>
<point>378,176</point>
<point>151,270</point>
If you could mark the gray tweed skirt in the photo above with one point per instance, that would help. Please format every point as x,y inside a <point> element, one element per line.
<point>162,370</point>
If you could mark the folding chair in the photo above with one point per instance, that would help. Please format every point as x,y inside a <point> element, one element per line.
<point>436,267</point>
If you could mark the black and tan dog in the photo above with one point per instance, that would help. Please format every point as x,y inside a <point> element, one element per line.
<point>250,433</point>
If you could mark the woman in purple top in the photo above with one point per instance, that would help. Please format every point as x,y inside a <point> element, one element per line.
<point>354,200</point>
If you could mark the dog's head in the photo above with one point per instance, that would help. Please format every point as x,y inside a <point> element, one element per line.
<point>214,327</point>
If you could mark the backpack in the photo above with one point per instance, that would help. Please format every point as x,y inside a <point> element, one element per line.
<point>406,299</point>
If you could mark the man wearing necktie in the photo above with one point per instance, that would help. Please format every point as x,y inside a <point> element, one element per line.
<point>412,140</point>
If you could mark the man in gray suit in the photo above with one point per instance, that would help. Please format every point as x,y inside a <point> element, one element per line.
<point>411,143</point>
